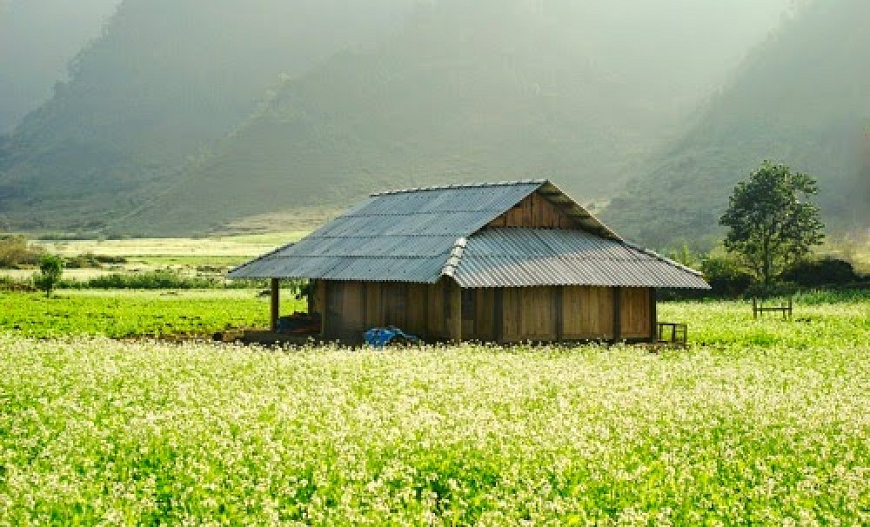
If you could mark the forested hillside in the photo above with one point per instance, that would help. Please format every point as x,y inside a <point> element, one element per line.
<point>166,78</point>
<point>469,91</point>
<point>37,40</point>
<point>187,114</point>
<point>801,99</point>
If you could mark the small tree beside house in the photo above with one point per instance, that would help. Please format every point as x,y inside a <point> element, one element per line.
<point>771,224</point>
<point>50,274</point>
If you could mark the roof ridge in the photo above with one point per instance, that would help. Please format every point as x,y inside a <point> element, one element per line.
<point>455,257</point>
<point>460,186</point>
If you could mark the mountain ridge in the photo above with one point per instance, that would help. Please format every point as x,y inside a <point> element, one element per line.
<point>165,129</point>
<point>420,109</point>
<point>798,100</point>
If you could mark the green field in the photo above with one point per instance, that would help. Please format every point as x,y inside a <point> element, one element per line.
<point>758,422</point>
<point>127,314</point>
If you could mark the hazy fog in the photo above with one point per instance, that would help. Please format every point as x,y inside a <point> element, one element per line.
<point>37,40</point>
<point>267,105</point>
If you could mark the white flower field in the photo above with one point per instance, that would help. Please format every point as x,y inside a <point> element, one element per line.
<point>757,423</point>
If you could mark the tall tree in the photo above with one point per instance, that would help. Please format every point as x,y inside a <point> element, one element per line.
<point>771,224</point>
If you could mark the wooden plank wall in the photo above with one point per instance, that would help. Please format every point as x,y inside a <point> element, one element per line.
<point>345,305</point>
<point>478,315</point>
<point>587,313</point>
<point>437,320</point>
<point>354,307</point>
<point>534,211</point>
<point>635,313</point>
<point>529,314</point>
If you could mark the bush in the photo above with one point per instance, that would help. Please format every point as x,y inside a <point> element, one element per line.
<point>150,280</point>
<point>113,260</point>
<point>823,271</point>
<point>93,261</point>
<point>16,252</point>
<point>83,261</point>
<point>8,283</point>
<point>725,276</point>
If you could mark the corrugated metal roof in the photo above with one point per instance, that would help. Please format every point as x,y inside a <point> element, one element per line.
<point>404,235</point>
<point>420,235</point>
<point>521,257</point>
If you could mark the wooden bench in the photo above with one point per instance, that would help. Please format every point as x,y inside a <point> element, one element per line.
<point>759,309</point>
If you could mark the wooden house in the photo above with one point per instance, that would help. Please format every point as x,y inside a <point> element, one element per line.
<point>497,262</point>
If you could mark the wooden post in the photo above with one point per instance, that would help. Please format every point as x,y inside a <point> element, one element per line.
<point>324,309</point>
<point>498,321</point>
<point>653,315</point>
<point>617,314</point>
<point>275,284</point>
<point>454,321</point>
<point>365,304</point>
<point>560,313</point>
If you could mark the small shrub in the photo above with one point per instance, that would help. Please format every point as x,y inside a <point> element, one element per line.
<point>90,260</point>
<point>50,273</point>
<point>112,260</point>
<point>83,261</point>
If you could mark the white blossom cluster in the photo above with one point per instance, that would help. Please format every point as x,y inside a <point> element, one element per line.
<point>98,432</point>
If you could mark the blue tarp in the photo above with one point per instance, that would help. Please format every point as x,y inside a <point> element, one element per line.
<point>381,337</point>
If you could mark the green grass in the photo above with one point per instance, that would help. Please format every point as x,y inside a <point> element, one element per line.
<point>757,423</point>
<point>135,313</point>
<point>191,260</point>
<point>819,319</point>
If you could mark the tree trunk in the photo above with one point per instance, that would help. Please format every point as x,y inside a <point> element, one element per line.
<point>765,269</point>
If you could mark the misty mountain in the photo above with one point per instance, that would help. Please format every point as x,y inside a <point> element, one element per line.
<point>38,38</point>
<point>165,79</point>
<point>188,114</point>
<point>800,99</point>
<point>486,90</point>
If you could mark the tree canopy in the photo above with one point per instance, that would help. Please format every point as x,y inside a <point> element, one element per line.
<point>50,273</point>
<point>771,225</point>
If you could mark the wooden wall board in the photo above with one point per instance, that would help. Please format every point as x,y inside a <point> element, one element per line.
<point>394,303</point>
<point>453,311</point>
<point>635,312</point>
<point>418,312</point>
<point>345,311</point>
<point>529,314</point>
<point>443,311</point>
<point>587,313</point>
<point>437,323</point>
<point>478,314</point>
<point>484,322</point>
<point>535,211</point>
